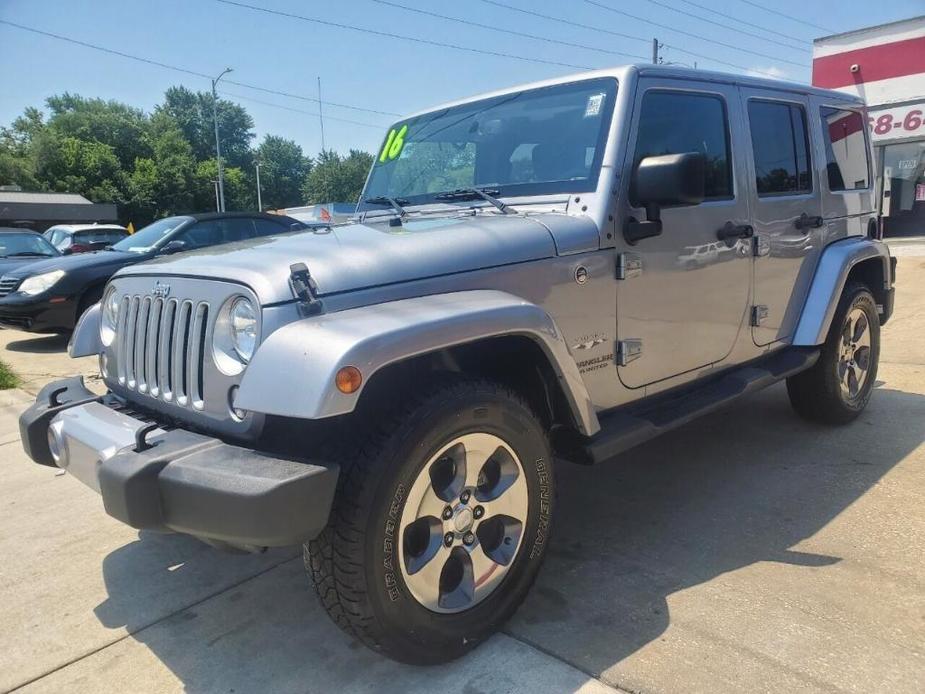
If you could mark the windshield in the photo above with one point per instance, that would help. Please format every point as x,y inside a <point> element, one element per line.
<point>25,244</point>
<point>146,239</point>
<point>539,141</point>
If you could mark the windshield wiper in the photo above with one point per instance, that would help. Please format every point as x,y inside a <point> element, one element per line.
<point>394,203</point>
<point>474,193</point>
<point>26,254</point>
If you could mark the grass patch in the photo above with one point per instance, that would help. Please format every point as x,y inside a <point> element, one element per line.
<point>7,377</point>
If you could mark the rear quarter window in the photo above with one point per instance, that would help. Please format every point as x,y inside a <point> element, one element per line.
<point>847,164</point>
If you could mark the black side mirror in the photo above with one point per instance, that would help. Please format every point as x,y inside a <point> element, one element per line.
<point>669,179</point>
<point>174,246</point>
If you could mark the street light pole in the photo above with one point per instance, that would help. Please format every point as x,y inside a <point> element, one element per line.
<point>218,146</point>
<point>259,200</point>
<point>218,206</point>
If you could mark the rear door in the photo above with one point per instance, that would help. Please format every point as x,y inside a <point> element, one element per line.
<point>687,306</point>
<point>787,212</point>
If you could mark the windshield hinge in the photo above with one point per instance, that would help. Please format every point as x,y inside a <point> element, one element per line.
<point>305,290</point>
<point>628,350</point>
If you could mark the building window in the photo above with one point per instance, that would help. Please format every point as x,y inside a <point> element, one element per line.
<point>845,149</point>
<point>781,148</point>
<point>681,122</point>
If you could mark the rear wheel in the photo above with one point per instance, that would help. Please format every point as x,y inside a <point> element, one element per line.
<point>440,523</point>
<point>837,388</point>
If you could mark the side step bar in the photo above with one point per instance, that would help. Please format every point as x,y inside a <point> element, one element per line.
<point>630,426</point>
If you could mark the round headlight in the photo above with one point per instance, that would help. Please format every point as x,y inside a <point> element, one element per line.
<point>110,318</point>
<point>243,319</point>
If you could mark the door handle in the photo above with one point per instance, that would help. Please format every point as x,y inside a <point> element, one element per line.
<point>804,221</point>
<point>735,231</point>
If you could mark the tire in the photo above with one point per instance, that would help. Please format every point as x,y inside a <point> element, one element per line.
<point>359,564</point>
<point>838,386</point>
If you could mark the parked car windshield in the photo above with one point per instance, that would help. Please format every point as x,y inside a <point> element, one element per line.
<point>537,141</point>
<point>145,240</point>
<point>24,245</point>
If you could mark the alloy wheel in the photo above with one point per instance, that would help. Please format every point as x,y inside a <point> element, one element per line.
<point>463,522</point>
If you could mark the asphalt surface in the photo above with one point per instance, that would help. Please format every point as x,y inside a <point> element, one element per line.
<point>746,552</point>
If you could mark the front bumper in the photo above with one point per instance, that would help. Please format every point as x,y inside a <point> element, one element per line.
<point>39,315</point>
<point>154,478</point>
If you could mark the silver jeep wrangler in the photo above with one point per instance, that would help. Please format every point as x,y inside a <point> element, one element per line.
<point>556,272</point>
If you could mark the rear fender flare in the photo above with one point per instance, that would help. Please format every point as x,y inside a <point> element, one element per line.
<point>292,374</point>
<point>829,280</point>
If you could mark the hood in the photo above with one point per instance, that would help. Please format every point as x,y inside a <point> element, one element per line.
<point>7,265</point>
<point>358,256</point>
<point>111,260</point>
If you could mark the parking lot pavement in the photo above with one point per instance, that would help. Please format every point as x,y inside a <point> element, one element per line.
<point>748,551</point>
<point>38,359</point>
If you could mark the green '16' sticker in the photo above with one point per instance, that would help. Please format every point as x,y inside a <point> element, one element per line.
<point>393,144</point>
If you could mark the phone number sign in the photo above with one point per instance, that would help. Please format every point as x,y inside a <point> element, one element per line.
<point>896,123</point>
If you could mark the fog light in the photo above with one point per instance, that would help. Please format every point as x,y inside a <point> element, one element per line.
<point>55,445</point>
<point>348,380</point>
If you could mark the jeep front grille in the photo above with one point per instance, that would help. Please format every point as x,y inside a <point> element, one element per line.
<point>161,348</point>
<point>7,285</point>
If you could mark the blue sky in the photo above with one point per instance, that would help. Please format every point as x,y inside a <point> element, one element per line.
<point>380,72</point>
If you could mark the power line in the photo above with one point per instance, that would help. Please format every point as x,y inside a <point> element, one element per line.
<point>507,31</point>
<point>700,18</point>
<point>400,37</point>
<point>787,16</point>
<point>610,32</point>
<point>742,21</point>
<point>686,33</point>
<point>187,71</point>
<point>299,110</point>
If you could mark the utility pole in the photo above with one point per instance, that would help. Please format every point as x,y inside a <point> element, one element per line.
<point>218,145</point>
<point>218,205</point>
<point>655,51</point>
<point>259,200</point>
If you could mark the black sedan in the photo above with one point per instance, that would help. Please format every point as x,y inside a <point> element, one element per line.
<point>49,296</point>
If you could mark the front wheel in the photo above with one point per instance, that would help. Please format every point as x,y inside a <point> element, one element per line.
<point>838,386</point>
<point>440,523</point>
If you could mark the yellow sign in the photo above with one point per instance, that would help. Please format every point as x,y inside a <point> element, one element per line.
<point>130,228</point>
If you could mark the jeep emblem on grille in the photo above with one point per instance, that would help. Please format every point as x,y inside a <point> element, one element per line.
<point>161,290</point>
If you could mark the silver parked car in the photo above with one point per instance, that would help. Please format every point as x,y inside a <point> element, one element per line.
<point>396,393</point>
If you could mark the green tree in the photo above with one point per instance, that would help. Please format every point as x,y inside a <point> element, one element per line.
<point>116,125</point>
<point>335,178</point>
<point>69,164</point>
<point>192,111</point>
<point>239,193</point>
<point>283,168</point>
<point>163,184</point>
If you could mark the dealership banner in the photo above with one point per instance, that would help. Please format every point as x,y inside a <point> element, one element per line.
<point>896,122</point>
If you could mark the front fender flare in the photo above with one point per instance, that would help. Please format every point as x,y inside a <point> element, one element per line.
<point>85,340</point>
<point>292,374</point>
<point>829,281</point>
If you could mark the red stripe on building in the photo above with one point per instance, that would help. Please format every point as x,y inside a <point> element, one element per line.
<point>896,59</point>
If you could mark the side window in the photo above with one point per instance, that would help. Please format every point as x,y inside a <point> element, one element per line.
<point>845,149</point>
<point>202,234</point>
<point>265,227</point>
<point>680,122</point>
<point>781,148</point>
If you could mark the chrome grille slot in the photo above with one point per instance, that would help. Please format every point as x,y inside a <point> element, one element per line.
<point>128,352</point>
<point>141,341</point>
<point>165,350</point>
<point>151,346</point>
<point>7,285</point>
<point>197,341</point>
<point>122,336</point>
<point>180,352</point>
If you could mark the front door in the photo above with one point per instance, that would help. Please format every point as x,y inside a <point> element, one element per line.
<point>685,309</point>
<point>787,213</point>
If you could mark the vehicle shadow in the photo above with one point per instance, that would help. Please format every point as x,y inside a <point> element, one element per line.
<point>738,487</point>
<point>43,344</point>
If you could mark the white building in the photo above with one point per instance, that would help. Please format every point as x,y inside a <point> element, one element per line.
<point>885,65</point>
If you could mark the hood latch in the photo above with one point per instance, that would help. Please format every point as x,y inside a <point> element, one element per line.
<point>305,290</point>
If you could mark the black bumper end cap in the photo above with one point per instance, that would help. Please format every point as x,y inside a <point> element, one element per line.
<point>52,399</point>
